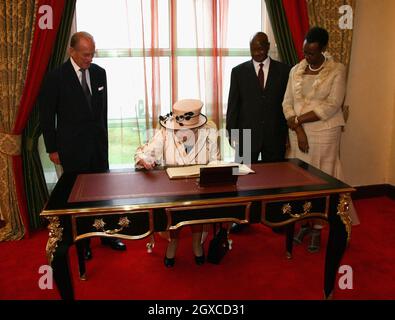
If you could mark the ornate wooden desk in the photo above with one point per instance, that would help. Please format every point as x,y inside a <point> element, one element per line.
<point>135,204</point>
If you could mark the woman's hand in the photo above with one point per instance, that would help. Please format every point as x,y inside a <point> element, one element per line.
<point>145,164</point>
<point>291,123</point>
<point>302,139</point>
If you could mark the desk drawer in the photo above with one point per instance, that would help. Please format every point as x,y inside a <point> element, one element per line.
<point>282,212</point>
<point>125,225</point>
<point>236,212</point>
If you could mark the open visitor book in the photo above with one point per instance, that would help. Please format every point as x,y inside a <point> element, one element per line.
<point>194,170</point>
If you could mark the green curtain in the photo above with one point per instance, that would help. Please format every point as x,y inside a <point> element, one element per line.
<point>281,32</point>
<point>35,185</point>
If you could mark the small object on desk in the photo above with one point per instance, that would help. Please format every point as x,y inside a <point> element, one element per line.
<point>194,170</point>
<point>210,176</point>
<point>242,168</point>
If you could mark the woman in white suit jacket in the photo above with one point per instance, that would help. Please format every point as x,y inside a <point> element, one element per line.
<point>313,108</point>
<point>185,138</point>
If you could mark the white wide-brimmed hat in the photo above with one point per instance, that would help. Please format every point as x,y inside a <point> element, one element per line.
<point>185,115</point>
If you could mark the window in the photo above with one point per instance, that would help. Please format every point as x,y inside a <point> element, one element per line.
<point>156,52</point>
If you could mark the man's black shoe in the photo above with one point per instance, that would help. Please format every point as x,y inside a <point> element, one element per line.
<point>88,253</point>
<point>236,228</point>
<point>115,244</point>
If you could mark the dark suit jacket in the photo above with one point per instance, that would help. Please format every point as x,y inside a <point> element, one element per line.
<point>250,107</point>
<point>70,127</point>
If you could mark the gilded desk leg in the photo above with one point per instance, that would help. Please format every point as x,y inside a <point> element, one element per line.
<point>329,297</point>
<point>54,236</point>
<point>343,210</point>
<point>57,254</point>
<point>339,233</point>
<point>290,229</point>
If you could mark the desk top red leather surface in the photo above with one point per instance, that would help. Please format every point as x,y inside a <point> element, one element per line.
<point>155,183</point>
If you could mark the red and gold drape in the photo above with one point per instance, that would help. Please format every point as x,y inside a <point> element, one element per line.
<point>325,13</point>
<point>298,21</point>
<point>25,50</point>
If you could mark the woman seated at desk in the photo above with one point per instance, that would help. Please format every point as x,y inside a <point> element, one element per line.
<point>186,138</point>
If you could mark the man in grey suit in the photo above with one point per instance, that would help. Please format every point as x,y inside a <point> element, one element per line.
<point>73,115</point>
<point>255,102</point>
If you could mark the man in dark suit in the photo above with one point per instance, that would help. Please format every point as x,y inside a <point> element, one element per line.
<point>73,115</point>
<point>256,94</point>
<point>255,102</point>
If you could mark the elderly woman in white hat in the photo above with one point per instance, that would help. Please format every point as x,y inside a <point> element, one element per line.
<point>186,138</point>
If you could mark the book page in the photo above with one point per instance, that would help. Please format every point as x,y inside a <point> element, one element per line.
<point>243,169</point>
<point>184,172</point>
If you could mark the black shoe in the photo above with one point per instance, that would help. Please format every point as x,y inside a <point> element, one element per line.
<point>88,253</point>
<point>200,260</point>
<point>303,231</point>
<point>236,228</point>
<point>315,243</point>
<point>169,262</point>
<point>115,244</point>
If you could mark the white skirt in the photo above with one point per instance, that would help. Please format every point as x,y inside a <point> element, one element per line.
<point>323,154</point>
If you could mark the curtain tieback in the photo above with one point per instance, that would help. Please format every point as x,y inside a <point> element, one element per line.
<point>10,144</point>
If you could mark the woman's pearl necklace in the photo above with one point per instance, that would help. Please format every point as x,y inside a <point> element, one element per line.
<point>319,68</point>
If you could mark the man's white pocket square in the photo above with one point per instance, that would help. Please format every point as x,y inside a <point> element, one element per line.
<point>100,88</point>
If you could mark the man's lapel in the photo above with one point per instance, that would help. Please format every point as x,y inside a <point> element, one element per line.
<point>252,76</point>
<point>93,79</point>
<point>271,75</point>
